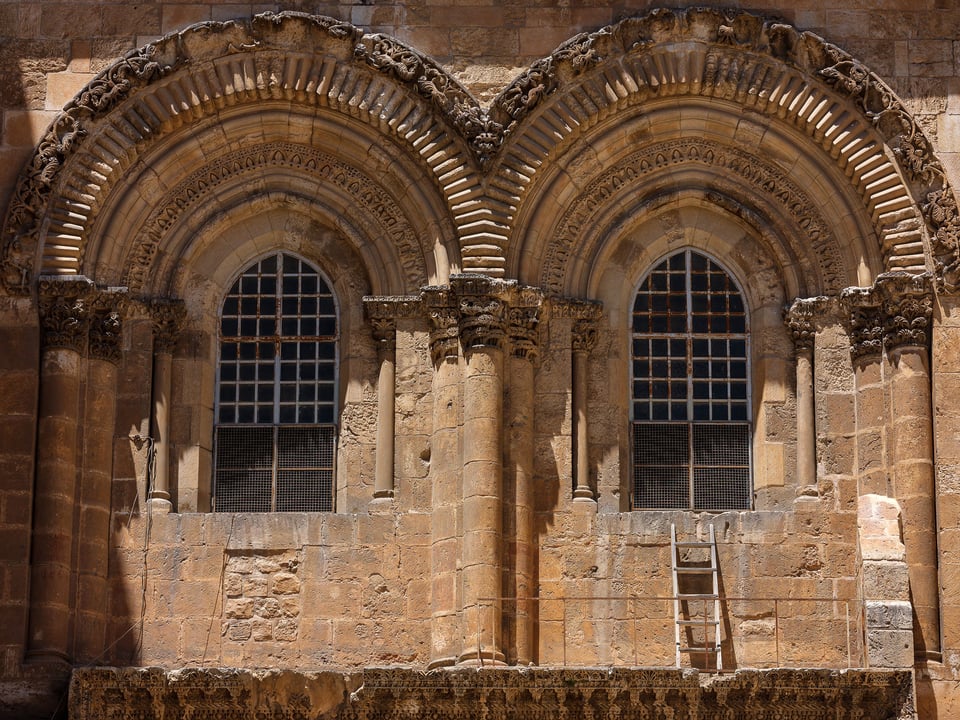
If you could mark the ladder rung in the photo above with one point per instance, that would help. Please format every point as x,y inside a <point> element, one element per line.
<point>709,622</point>
<point>697,596</point>
<point>693,544</point>
<point>710,649</point>
<point>695,570</point>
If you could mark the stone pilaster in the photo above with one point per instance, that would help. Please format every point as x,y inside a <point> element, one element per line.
<point>65,309</point>
<point>482,310</point>
<point>907,303</point>
<point>168,317</point>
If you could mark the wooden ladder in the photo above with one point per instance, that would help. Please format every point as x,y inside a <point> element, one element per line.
<point>685,603</point>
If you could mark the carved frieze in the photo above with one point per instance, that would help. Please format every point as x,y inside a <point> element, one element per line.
<point>494,693</point>
<point>65,308</point>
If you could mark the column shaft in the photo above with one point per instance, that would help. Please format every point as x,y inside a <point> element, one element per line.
<point>160,500</point>
<point>386,399</point>
<point>482,513</point>
<point>582,491</point>
<point>915,489</point>
<point>51,586</point>
<point>806,425</point>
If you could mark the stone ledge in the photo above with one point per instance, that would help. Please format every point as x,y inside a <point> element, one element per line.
<point>455,693</point>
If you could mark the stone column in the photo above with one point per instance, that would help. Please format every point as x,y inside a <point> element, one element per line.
<point>445,478</point>
<point>64,318</point>
<point>584,339</point>
<point>168,316</point>
<point>800,322</point>
<point>385,333</point>
<point>865,328</point>
<point>99,429</point>
<point>482,337</point>
<point>907,310</point>
<point>521,583</point>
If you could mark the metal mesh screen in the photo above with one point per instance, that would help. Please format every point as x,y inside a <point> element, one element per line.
<point>244,476</point>
<point>690,370</point>
<point>277,368</point>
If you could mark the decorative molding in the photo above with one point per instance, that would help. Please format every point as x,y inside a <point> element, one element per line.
<point>766,65</point>
<point>168,317</point>
<point>625,176</point>
<point>521,693</point>
<point>800,319</point>
<point>106,325</point>
<point>383,312</point>
<point>576,309</point>
<point>444,318</point>
<point>65,311</point>
<point>583,336</point>
<point>252,162</point>
<point>864,321</point>
<point>907,303</point>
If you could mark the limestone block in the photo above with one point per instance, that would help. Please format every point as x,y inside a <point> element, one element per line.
<point>885,580</point>
<point>889,615</point>
<point>890,648</point>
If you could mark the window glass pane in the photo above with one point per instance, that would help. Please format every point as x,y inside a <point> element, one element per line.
<point>266,385</point>
<point>697,326</point>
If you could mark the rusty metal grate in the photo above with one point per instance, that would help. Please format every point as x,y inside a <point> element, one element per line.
<point>691,392</point>
<point>277,375</point>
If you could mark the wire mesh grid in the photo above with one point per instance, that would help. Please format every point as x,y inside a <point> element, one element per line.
<point>690,370</point>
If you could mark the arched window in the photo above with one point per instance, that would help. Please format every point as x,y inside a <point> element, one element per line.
<point>276,400</point>
<point>691,388</point>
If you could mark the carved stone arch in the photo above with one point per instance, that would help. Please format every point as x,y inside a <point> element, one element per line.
<point>309,64</point>
<point>567,243</point>
<point>784,78</point>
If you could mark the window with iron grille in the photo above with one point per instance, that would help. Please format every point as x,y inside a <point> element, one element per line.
<point>276,399</point>
<point>691,388</point>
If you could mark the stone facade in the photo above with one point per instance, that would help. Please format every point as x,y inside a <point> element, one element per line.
<point>483,188</point>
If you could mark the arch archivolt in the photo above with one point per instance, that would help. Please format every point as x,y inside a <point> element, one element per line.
<point>476,173</point>
<point>737,181</point>
<point>363,203</point>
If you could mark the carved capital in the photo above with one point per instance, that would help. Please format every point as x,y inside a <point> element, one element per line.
<point>168,318</point>
<point>65,304</point>
<point>523,326</point>
<point>444,334</point>
<point>864,321</point>
<point>481,303</point>
<point>482,321</point>
<point>383,312</point>
<point>106,325</point>
<point>576,309</point>
<point>907,302</point>
<point>584,336</point>
<point>800,321</point>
